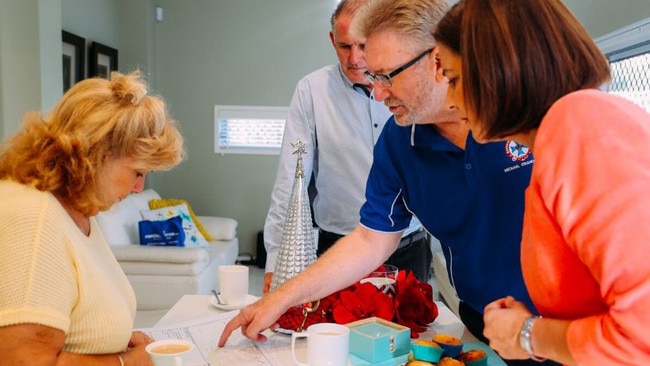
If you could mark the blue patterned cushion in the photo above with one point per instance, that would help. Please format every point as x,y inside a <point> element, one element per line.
<point>193,237</point>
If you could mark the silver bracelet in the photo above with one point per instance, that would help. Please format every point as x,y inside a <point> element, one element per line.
<point>525,338</point>
<point>119,357</point>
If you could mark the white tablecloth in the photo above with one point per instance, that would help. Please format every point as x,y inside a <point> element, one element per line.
<point>193,308</point>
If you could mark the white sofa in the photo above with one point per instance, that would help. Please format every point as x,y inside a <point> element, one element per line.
<point>160,276</point>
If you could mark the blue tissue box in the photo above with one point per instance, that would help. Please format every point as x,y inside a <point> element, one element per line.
<point>376,340</point>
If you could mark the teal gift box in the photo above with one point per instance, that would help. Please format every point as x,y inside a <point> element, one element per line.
<point>376,340</point>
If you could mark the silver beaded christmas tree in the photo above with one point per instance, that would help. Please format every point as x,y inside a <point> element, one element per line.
<point>297,249</point>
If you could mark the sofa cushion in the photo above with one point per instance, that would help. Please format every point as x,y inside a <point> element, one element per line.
<point>220,228</point>
<point>163,269</point>
<point>160,203</point>
<point>120,223</point>
<point>193,237</point>
<point>142,199</point>
<point>138,253</point>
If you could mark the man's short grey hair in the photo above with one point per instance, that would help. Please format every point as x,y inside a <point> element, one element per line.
<point>346,7</point>
<point>416,19</point>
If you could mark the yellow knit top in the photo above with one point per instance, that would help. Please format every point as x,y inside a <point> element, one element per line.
<point>52,274</point>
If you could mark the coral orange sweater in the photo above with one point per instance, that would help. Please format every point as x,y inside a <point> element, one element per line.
<point>586,240</point>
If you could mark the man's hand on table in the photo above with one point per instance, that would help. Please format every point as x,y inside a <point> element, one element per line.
<point>254,319</point>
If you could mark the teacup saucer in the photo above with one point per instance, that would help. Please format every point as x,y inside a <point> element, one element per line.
<point>249,300</point>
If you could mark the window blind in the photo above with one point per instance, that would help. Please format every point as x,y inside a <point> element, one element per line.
<point>249,129</point>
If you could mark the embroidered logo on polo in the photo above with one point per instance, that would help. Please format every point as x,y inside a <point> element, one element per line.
<point>517,153</point>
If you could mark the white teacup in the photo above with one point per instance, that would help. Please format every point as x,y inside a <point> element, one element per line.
<point>169,352</point>
<point>327,345</point>
<point>233,284</point>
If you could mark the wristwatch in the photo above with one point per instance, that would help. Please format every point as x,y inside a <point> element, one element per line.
<point>524,338</point>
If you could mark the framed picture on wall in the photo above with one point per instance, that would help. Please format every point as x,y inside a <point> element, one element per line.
<point>74,48</point>
<point>102,60</point>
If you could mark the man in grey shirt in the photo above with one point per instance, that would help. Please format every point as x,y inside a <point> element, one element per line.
<point>334,113</point>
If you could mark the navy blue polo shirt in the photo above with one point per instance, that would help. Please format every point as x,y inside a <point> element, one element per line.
<point>471,200</point>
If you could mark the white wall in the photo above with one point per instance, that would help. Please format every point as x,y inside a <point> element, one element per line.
<point>246,52</point>
<point>95,20</point>
<point>30,59</point>
<point>604,16</point>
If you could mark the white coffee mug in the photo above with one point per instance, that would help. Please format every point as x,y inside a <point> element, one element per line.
<point>169,352</point>
<point>233,284</point>
<point>327,345</point>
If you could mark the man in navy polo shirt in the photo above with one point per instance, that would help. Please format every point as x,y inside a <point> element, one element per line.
<point>468,195</point>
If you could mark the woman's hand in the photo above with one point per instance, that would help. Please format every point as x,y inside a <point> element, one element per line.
<point>503,321</point>
<point>138,338</point>
<point>35,344</point>
<point>136,354</point>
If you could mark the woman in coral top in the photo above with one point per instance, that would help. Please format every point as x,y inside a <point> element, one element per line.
<point>527,70</point>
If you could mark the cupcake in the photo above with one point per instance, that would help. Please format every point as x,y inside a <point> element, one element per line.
<point>424,350</point>
<point>448,361</point>
<point>451,345</point>
<point>419,363</point>
<point>474,357</point>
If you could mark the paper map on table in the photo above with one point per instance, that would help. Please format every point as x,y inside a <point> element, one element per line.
<point>205,333</point>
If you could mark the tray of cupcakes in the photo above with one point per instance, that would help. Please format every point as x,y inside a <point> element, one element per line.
<point>447,350</point>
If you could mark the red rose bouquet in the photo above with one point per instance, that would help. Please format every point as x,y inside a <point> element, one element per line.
<point>411,306</point>
<point>361,301</point>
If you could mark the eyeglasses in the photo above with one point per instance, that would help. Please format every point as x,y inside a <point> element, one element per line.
<point>385,79</point>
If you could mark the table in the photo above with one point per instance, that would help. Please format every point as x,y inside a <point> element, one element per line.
<point>193,307</point>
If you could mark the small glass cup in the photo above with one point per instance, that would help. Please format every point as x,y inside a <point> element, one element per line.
<point>384,278</point>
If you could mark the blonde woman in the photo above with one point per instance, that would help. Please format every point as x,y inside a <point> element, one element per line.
<point>63,298</point>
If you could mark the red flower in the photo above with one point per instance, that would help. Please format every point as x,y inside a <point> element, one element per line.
<point>414,303</point>
<point>361,301</point>
<point>295,317</point>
